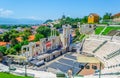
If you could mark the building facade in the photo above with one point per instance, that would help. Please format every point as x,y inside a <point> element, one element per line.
<point>93,18</point>
<point>116,18</point>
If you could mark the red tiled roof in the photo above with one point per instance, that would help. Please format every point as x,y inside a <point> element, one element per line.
<point>48,44</point>
<point>116,15</point>
<point>94,14</point>
<point>4,43</point>
<point>35,27</point>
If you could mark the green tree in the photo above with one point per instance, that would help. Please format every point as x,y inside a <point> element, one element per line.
<point>17,47</point>
<point>6,36</point>
<point>100,18</point>
<point>63,17</point>
<point>10,51</point>
<point>26,42</point>
<point>26,33</point>
<point>25,37</point>
<point>13,31</point>
<point>57,26</point>
<point>107,17</point>
<point>14,41</point>
<point>84,19</point>
<point>38,36</point>
<point>45,31</point>
<point>57,33</point>
<point>1,38</point>
<point>69,20</point>
<point>3,49</point>
<point>77,20</point>
<point>76,38</point>
<point>77,32</point>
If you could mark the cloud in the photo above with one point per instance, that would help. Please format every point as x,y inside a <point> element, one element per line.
<point>5,12</point>
<point>32,17</point>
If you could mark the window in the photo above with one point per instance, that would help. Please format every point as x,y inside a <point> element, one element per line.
<point>87,67</point>
<point>90,16</point>
<point>90,26</point>
<point>113,66</point>
<point>110,66</point>
<point>94,67</point>
<point>81,66</point>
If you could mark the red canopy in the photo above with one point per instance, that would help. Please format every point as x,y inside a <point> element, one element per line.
<point>48,44</point>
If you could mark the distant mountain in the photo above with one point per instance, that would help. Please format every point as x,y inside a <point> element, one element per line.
<point>19,21</point>
<point>49,20</point>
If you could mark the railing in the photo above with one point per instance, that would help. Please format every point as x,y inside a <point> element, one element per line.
<point>102,37</point>
<point>99,46</point>
<point>113,54</point>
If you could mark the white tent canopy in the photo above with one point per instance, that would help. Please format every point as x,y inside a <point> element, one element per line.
<point>85,59</point>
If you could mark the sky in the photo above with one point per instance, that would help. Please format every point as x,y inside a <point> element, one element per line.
<point>54,9</point>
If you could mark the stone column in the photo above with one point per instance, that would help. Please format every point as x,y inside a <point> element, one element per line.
<point>41,44</point>
<point>44,45</point>
<point>51,40</point>
<point>22,51</point>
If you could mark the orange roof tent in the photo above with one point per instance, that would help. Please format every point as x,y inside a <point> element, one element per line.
<point>19,39</point>
<point>31,37</point>
<point>4,43</point>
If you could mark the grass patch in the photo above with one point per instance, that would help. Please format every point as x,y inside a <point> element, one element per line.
<point>81,37</point>
<point>99,29</point>
<point>7,75</point>
<point>108,29</point>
